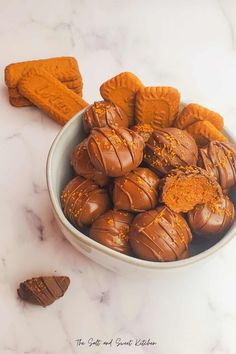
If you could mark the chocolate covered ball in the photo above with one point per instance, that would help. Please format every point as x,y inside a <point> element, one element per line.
<point>144,130</point>
<point>160,235</point>
<point>115,151</point>
<point>169,148</point>
<point>82,165</point>
<point>83,201</point>
<point>219,159</point>
<point>137,191</point>
<point>111,230</point>
<point>104,114</point>
<point>211,222</point>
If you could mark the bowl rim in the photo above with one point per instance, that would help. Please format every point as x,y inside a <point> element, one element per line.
<point>88,242</point>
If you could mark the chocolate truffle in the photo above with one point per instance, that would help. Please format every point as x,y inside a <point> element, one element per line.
<point>160,235</point>
<point>115,151</point>
<point>104,114</point>
<point>83,201</point>
<point>143,129</point>
<point>209,223</point>
<point>82,165</point>
<point>169,148</point>
<point>43,290</point>
<point>111,230</point>
<point>184,188</point>
<point>219,159</point>
<point>137,191</point>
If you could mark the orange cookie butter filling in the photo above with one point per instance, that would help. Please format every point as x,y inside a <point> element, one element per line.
<point>184,188</point>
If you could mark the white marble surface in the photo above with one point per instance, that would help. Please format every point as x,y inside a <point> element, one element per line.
<point>188,44</point>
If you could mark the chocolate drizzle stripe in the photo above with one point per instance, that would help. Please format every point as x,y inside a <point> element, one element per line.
<point>216,164</point>
<point>110,230</point>
<point>87,196</point>
<point>181,232</point>
<point>222,226</point>
<point>231,162</point>
<point>164,142</point>
<point>206,221</point>
<point>59,285</point>
<point>188,149</point>
<point>163,226</point>
<point>126,193</point>
<point>100,153</point>
<point>119,221</point>
<point>170,237</point>
<point>107,118</point>
<point>34,298</point>
<point>143,231</point>
<point>146,181</point>
<point>179,228</point>
<point>96,118</point>
<point>73,191</point>
<point>79,201</point>
<point>160,138</point>
<point>143,189</point>
<point>41,294</point>
<point>73,211</point>
<point>48,288</point>
<point>159,160</point>
<point>153,251</point>
<point>206,161</point>
<point>126,142</point>
<point>223,171</point>
<point>114,148</point>
<point>45,291</point>
<point>92,192</point>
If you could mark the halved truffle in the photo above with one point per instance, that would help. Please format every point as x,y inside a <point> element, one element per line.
<point>184,188</point>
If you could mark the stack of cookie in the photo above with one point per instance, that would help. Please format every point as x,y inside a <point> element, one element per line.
<point>54,85</point>
<point>159,107</point>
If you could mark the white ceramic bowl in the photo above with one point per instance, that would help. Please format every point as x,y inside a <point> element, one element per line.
<point>59,173</point>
